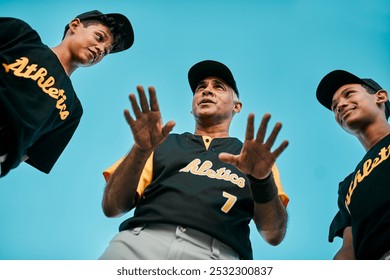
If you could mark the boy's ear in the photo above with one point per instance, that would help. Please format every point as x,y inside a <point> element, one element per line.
<point>74,24</point>
<point>382,96</point>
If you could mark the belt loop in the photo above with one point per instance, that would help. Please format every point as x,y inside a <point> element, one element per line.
<point>3,158</point>
<point>215,253</point>
<point>137,230</point>
<point>180,232</point>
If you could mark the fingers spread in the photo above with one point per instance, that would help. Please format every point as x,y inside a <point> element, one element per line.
<point>228,158</point>
<point>143,106</point>
<point>271,139</point>
<point>250,127</point>
<point>142,99</point>
<point>280,149</point>
<point>167,128</point>
<point>128,118</point>
<point>134,105</point>
<point>263,128</point>
<point>153,99</point>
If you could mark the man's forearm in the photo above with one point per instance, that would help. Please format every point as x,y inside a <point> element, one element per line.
<point>120,192</point>
<point>271,220</point>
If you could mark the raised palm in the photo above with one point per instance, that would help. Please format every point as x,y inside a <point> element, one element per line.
<point>147,127</point>
<point>256,158</point>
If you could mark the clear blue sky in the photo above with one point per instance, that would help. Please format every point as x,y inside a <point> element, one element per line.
<point>278,51</point>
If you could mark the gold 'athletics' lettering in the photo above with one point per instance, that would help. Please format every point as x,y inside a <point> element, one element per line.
<point>21,68</point>
<point>195,168</point>
<point>368,166</point>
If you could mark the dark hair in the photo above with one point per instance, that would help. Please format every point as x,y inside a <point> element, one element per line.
<point>369,89</point>
<point>111,24</point>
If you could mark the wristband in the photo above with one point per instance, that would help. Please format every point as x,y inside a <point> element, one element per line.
<point>263,190</point>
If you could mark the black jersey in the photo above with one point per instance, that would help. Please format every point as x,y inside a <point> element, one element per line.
<point>36,97</point>
<point>190,186</point>
<point>364,204</point>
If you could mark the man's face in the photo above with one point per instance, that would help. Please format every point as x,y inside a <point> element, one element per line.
<point>90,43</point>
<point>214,98</point>
<point>354,107</point>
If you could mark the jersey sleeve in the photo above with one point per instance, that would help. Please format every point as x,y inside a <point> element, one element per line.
<point>342,219</point>
<point>44,153</point>
<point>146,175</point>
<point>12,30</point>
<point>110,170</point>
<point>282,194</point>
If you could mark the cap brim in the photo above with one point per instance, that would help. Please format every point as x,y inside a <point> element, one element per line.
<point>331,83</point>
<point>338,78</point>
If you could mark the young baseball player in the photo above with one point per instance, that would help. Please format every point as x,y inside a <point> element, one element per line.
<point>39,109</point>
<point>361,107</point>
<point>195,193</point>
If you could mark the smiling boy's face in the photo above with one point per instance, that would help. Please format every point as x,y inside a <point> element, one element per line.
<point>354,107</point>
<point>89,42</point>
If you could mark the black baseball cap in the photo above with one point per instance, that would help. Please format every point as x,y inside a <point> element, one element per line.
<point>121,28</point>
<point>208,68</point>
<point>338,78</point>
